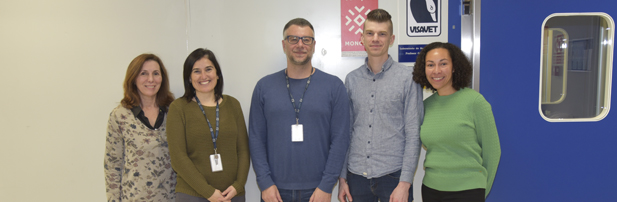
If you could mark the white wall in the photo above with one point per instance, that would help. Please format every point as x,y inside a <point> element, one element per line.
<point>62,66</point>
<point>63,63</point>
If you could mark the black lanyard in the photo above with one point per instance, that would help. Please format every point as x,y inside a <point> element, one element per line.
<point>297,109</point>
<point>214,136</point>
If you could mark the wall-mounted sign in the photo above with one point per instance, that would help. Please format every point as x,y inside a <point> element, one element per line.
<point>424,17</point>
<point>353,15</point>
<point>409,53</point>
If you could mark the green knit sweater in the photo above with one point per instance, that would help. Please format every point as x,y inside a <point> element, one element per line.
<point>461,141</point>
<point>190,146</point>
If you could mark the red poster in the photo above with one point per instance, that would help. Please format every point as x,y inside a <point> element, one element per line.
<point>353,15</point>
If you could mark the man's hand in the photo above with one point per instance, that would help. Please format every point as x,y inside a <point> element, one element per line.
<point>401,192</point>
<point>320,196</point>
<point>343,190</point>
<point>271,194</point>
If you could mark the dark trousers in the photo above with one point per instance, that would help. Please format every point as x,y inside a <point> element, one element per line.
<point>372,190</point>
<point>433,195</point>
<point>295,195</point>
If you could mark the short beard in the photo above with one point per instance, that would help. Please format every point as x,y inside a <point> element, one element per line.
<point>304,62</point>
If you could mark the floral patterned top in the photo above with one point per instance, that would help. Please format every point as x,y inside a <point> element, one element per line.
<point>137,161</point>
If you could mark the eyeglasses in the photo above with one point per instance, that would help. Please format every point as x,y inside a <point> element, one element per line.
<point>306,40</point>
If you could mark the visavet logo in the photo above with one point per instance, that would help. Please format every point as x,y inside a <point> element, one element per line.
<point>423,17</point>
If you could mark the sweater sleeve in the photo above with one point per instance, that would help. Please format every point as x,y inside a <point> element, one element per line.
<point>413,116</point>
<point>487,138</point>
<point>258,134</point>
<point>351,121</point>
<point>339,138</point>
<point>181,163</point>
<point>114,159</point>
<point>242,149</point>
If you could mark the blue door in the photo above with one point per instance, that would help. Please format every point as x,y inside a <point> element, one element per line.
<point>541,161</point>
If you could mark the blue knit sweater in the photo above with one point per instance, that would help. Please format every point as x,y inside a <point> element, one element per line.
<point>318,160</point>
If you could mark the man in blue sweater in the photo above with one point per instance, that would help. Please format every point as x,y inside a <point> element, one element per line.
<point>298,124</point>
<point>387,111</point>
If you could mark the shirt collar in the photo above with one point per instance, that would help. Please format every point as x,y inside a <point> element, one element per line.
<point>386,65</point>
<point>137,110</point>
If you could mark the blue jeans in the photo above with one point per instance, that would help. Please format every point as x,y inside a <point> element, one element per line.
<point>372,190</point>
<point>295,195</point>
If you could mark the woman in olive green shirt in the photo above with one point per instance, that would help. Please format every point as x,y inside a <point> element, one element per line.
<point>216,172</point>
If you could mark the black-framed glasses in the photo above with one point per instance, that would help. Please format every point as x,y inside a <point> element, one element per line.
<point>306,40</point>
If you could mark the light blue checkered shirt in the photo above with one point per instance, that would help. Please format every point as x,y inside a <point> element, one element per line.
<point>386,114</point>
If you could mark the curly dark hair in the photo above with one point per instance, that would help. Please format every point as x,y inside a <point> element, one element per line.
<point>461,77</point>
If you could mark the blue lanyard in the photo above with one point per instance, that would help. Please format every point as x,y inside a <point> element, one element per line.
<point>214,136</point>
<point>297,109</point>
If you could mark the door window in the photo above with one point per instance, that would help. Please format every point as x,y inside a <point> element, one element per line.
<point>576,66</point>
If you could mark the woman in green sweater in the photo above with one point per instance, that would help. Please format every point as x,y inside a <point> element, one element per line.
<point>458,132</point>
<point>207,135</point>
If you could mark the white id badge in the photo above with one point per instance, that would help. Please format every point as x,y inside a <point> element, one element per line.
<point>297,134</point>
<point>216,162</point>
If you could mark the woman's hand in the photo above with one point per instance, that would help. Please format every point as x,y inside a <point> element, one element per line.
<point>229,193</point>
<point>216,197</point>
